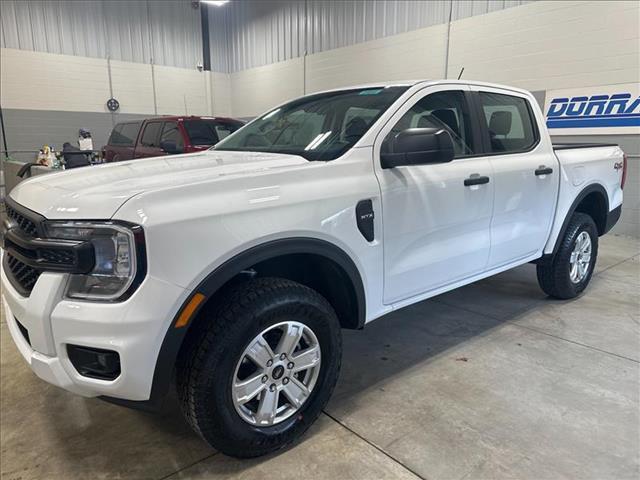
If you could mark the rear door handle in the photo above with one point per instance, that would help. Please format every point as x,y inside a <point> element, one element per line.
<point>543,170</point>
<point>475,179</point>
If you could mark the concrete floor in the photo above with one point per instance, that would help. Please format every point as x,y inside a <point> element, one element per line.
<point>489,381</point>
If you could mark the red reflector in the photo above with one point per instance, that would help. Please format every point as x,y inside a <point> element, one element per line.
<point>624,171</point>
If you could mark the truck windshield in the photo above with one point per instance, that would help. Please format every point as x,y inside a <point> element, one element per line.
<point>316,127</point>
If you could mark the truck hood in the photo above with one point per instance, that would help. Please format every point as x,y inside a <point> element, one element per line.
<point>97,192</point>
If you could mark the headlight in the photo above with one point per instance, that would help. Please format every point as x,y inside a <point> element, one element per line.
<point>119,258</point>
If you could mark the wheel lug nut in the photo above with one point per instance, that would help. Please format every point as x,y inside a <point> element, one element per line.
<point>264,379</point>
<point>290,365</point>
<point>285,380</point>
<point>269,363</point>
<point>283,356</point>
<point>272,387</point>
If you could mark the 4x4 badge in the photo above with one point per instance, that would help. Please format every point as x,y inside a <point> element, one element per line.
<point>617,165</point>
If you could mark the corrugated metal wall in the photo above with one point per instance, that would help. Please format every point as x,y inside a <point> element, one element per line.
<point>261,32</point>
<point>135,31</point>
<point>243,33</point>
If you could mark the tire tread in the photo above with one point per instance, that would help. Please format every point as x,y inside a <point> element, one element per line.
<point>212,339</point>
<point>552,274</point>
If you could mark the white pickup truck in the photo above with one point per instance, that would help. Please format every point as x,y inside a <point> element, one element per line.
<point>231,272</point>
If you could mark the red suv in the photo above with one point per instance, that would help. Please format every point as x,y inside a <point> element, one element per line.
<point>154,137</point>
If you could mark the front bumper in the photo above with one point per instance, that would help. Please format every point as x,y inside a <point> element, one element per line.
<point>134,328</point>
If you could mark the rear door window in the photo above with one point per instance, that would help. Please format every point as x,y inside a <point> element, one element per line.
<point>115,134</point>
<point>171,133</point>
<point>127,135</point>
<point>510,123</point>
<point>151,134</point>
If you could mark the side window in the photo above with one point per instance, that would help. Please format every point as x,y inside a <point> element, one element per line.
<point>171,133</point>
<point>150,135</point>
<point>509,121</point>
<point>128,134</point>
<point>448,110</point>
<point>115,135</point>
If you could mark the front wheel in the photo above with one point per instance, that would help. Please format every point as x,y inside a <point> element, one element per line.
<point>262,368</point>
<point>568,273</point>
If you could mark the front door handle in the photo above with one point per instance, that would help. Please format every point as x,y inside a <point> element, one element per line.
<point>544,170</point>
<point>475,179</point>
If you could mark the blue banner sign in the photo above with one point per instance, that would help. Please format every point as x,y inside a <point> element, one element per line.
<point>613,107</point>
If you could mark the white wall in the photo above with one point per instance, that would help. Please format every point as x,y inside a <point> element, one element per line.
<point>256,90</point>
<point>551,45</point>
<point>132,86</point>
<point>43,81</point>
<point>416,54</point>
<point>221,94</point>
<point>180,91</point>
<point>31,80</point>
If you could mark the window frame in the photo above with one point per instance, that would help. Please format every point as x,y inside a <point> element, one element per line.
<point>484,128</point>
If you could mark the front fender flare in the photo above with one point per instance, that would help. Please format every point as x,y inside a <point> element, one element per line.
<point>174,337</point>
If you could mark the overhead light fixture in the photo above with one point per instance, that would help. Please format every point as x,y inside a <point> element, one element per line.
<point>217,3</point>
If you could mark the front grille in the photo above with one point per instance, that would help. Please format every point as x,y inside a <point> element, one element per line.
<point>27,226</point>
<point>61,257</point>
<point>23,276</point>
<point>28,254</point>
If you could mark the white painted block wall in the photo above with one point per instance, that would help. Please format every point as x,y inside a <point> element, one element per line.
<point>412,55</point>
<point>551,45</point>
<point>258,89</point>
<point>132,86</point>
<point>43,81</point>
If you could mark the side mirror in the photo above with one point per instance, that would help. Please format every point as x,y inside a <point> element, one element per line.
<point>170,147</point>
<point>418,146</point>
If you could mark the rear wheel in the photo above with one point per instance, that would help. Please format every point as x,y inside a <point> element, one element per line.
<point>568,273</point>
<point>262,368</point>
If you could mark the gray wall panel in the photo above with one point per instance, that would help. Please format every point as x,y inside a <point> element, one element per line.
<point>30,129</point>
<point>218,33</point>
<point>135,31</point>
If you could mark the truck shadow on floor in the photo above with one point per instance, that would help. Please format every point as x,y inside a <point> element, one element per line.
<point>415,335</point>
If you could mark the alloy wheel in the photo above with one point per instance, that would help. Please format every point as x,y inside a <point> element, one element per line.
<point>276,373</point>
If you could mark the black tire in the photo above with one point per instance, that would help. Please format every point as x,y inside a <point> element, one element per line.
<point>554,274</point>
<point>206,370</point>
